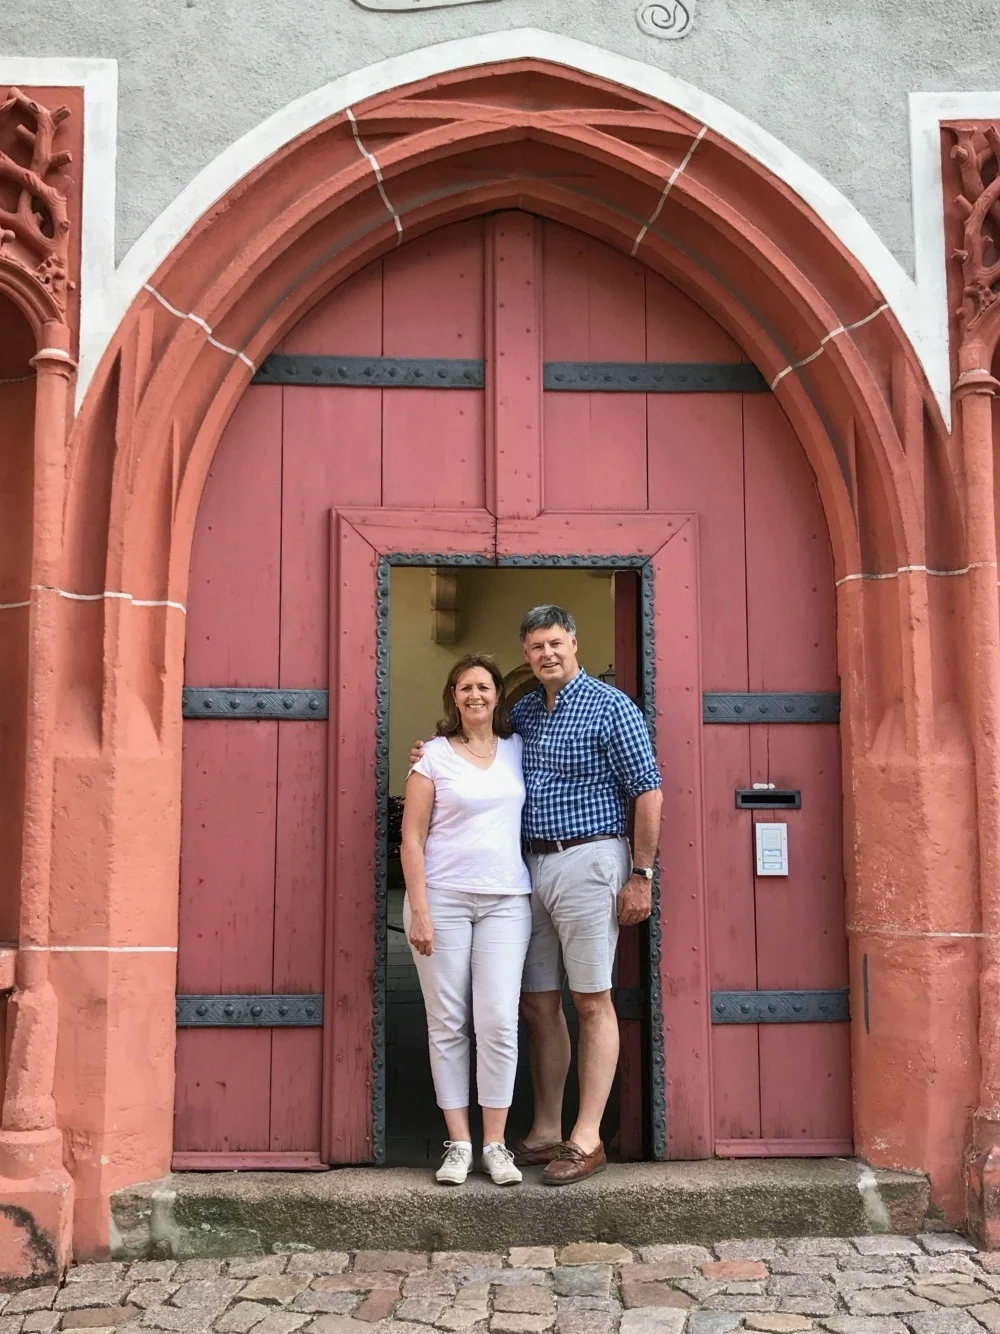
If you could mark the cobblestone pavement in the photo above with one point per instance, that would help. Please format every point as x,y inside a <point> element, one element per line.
<point>933,1284</point>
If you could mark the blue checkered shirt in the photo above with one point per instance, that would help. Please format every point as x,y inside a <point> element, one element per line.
<point>583,761</point>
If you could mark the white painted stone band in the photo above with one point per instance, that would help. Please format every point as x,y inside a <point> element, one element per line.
<point>920,935</point>
<point>196,319</point>
<point>378,175</point>
<point>668,187</point>
<point>919,569</point>
<point>97,597</point>
<point>834,333</point>
<point>99,949</point>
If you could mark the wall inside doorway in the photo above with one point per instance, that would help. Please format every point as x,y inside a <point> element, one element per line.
<point>490,606</point>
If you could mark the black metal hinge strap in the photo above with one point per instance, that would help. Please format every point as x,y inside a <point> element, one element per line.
<point>653,377</point>
<point>771,707</point>
<point>781,1007</point>
<point>250,1011</point>
<point>615,377</point>
<point>372,372</point>
<point>223,702</point>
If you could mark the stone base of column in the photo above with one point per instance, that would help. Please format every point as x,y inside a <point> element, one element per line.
<point>36,1207</point>
<point>982,1186</point>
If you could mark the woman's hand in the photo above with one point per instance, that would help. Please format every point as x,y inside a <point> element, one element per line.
<point>421,935</point>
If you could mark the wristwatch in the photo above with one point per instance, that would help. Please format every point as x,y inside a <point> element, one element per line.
<point>645,871</point>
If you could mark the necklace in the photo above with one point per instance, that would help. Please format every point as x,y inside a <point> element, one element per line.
<point>468,745</point>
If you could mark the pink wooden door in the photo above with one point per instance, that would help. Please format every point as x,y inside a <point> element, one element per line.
<point>342,459</point>
<point>765,624</point>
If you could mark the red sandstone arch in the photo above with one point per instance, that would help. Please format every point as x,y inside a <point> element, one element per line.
<point>579,150</point>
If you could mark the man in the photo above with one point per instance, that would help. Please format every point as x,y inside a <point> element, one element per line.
<point>587,756</point>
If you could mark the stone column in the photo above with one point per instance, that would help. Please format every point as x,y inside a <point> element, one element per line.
<point>974,393</point>
<point>32,1174</point>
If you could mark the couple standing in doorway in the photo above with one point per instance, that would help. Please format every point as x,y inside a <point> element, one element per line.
<point>518,875</point>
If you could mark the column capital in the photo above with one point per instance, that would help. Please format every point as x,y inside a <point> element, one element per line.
<point>53,359</point>
<point>976,380</point>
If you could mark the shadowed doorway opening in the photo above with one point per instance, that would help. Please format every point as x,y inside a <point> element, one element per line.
<point>436,617</point>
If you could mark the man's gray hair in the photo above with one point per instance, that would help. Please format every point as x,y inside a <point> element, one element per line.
<point>541,618</point>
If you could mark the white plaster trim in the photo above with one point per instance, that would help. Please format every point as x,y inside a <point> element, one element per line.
<point>840,329</point>
<point>99,949</point>
<point>11,606</point>
<point>52,354</point>
<point>99,81</point>
<point>921,935</point>
<point>19,379</point>
<point>100,597</point>
<point>919,569</point>
<point>373,160</point>
<point>196,319</point>
<point>920,306</point>
<point>668,187</point>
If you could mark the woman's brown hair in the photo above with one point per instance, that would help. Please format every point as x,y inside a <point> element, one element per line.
<point>451,723</point>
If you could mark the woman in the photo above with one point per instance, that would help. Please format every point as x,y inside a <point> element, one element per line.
<point>467,912</point>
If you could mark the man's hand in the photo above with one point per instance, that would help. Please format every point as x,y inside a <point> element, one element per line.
<point>635,901</point>
<point>416,753</point>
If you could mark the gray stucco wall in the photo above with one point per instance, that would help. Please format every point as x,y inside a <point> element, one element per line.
<point>830,78</point>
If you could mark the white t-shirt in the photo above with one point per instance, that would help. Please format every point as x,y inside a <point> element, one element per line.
<point>474,840</point>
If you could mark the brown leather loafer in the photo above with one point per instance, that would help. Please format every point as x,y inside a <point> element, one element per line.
<point>534,1155</point>
<point>573,1164</point>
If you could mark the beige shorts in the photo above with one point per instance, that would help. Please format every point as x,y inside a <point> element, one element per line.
<point>574,912</point>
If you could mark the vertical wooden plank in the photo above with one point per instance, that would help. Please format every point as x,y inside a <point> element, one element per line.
<point>684,978</point>
<point>331,442</point>
<point>593,310</point>
<point>350,931</point>
<point>514,359</point>
<point>801,942</point>
<point>229,784</point>
<point>331,456</point>
<point>299,913</point>
<point>632,940</point>
<point>696,463</point>
<point>433,439</point>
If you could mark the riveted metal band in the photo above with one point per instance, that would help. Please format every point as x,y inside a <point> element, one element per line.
<point>615,377</point>
<point>781,1007</point>
<point>226,702</point>
<point>653,377</point>
<point>372,372</point>
<point>768,707</point>
<point>249,1011</point>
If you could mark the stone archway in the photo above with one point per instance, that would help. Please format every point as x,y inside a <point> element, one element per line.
<point>651,181</point>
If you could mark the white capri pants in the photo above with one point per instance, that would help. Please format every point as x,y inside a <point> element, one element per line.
<point>480,941</point>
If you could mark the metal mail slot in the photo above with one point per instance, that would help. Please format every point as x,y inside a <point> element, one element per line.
<point>769,798</point>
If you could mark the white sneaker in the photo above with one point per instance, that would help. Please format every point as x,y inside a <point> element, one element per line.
<point>457,1161</point>
<point>498,1162</point>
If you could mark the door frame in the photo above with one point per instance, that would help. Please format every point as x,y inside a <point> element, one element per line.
<point>672,705</point>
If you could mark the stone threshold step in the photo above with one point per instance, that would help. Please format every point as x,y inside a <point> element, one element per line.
<point>190,1214</point>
